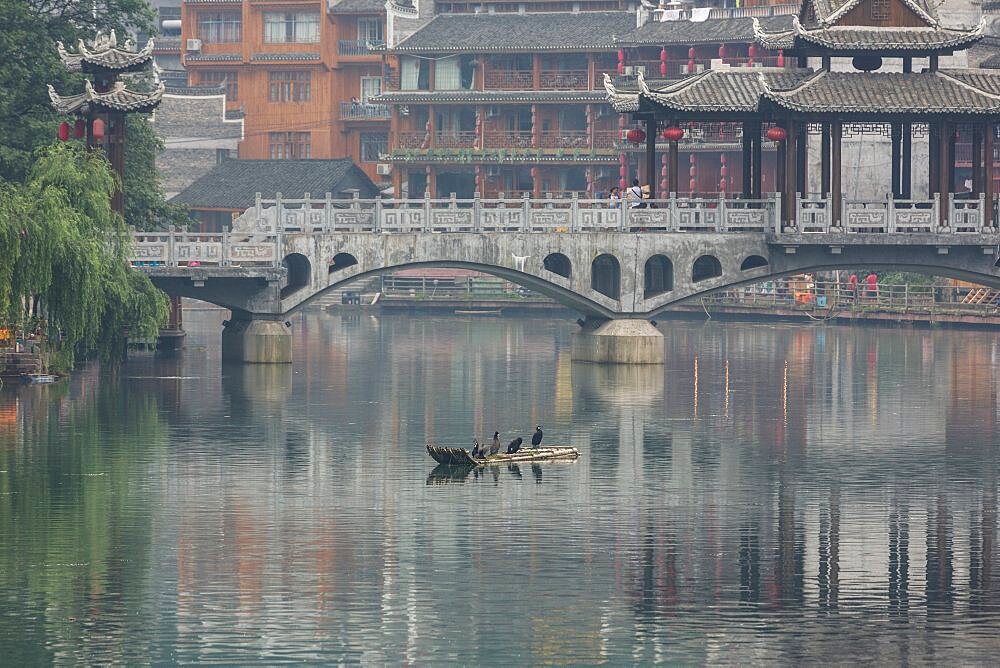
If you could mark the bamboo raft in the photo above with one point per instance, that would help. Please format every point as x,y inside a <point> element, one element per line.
<point>462,457</point>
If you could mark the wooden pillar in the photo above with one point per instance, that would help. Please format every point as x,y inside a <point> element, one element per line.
<point>747,164</point>
<point>944,172</point>
<point>824,159</point>
<point>757,161</point>
<point>536,71</point>
<point>651,157</point>
<point>779,172</point>
<point>802,159</point>
<point>897,141</point>
<point>906,187</point>
<point>431,126</point>
<point>952,186</point>
<point>933,159</point>
<point>934,63</point>
<point>988,187</point>
<point>977,160</point>
<point>673,167</point>
<point>836,196</point>
<point>791,175</point>
<point>536,128</point>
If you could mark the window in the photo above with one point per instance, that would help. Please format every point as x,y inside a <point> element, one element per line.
<point>227,78</point>
<point>372,144</point>
<point>282,27</point>
<point>290,145</point>
<point>290,86</point>
<point>220,27</point>
<point>878,10</point>
<point>370,87</point>
<point>370,30</point>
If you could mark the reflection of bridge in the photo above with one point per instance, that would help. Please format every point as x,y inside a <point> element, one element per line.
<point>614,264</point>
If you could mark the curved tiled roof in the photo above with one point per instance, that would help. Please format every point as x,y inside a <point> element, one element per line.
<point>104,53</point>
<point>710,31</point>
<point>864,38</point>
<point>487,97</point>
<point>545,31</point>
<point>118,98</point>
<point>956,92</point>
<point>358,7</point>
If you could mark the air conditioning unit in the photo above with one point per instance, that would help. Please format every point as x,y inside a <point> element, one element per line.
<point>194,45</point>
<point>383,169</point>
<point>492,112</point>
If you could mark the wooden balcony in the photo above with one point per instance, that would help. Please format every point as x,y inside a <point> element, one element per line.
<point>563,80</point>
<point>411,139</point>
<point>565,139</point>
<point>363,111</point>
<point>500,79</point>
<point>455,140</point>
<point>506,139</point>
<point>358,47</point>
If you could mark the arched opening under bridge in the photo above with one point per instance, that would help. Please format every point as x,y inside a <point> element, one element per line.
<point>753,262</point>
<point>299,273</point>
<point>606,276</point>
<point>558,264</point>
<point>706,267</point>
<point>342,261</point>
<point>658,276</point>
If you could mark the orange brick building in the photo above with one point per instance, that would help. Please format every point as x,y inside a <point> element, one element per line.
<point>301,71</point>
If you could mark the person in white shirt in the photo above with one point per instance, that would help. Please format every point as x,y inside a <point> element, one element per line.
<point>634,196</point>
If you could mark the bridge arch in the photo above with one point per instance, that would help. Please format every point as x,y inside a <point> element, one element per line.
<point>658,276</point>
<point>606,276</point>
<point>342,261</point>
<point>558,264</point>
<point>706,267</point>
<point>753,262</point>
<point>299,273</point>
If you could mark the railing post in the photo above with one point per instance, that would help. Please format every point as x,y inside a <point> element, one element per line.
<point>427,212</point>
<point>527,223</point>
<point>936,217</point>
<point>890,217</point>
<point>623,215</point>
<point>477,206</point>
<point>328,213</point>
<point>777,213</point>
<point>258,209</point>
<point>574,212</point>
<point>224,261</point>
<point>720,225</point>
<point>949,223</point>
<point>376,216</point>
<point>171,259</point>
<point>982,213</point>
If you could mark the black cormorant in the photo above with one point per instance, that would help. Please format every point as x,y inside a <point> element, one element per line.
<point>514,445</point>
<point>536,438</point>
<point>495,448</point>
<point>476,452</point>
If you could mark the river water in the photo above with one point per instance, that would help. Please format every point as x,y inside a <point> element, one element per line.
<point>775,493</point>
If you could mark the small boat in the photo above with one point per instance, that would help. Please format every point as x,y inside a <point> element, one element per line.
<point>38,378</point>
<point>462,457</point>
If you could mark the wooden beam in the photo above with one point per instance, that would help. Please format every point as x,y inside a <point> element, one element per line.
<point>756,160</point>
<point>802,159</point>
<point>791,173</point>
<point>747,165</point>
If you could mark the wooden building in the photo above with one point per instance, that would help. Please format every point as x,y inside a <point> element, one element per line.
<point>301,71</point>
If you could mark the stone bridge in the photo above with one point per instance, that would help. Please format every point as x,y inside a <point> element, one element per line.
<point>618,267</point>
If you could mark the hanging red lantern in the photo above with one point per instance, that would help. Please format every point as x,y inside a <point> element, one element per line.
<point>752,51</point>
<point>723,171</point>
<point>621,158</point>
<point>673,133</point>
<point>663,54</point>
<point>621,67</point>
<point>621,55</point>
<point>664,185</point>
<point>692,186</point>
<point>534,172</point>
<point>781,58</point>
<point>622,171</point>
<point>691,53</point>
<point>63,131</point>
<point>722,51</point>
<point>663,68</point>
<point>622,184</point>
<point>693,171</point>
<point>663,171</point>
<point>97,129</point>
<point>80,128</point>
<point>776,133</point>
<point>635,135</point>
<point>722,185</point>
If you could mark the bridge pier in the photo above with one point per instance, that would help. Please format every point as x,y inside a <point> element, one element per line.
<point>624,341</point>
<point>256,341</point>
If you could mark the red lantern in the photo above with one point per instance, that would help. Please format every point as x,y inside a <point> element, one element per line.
<point>776,134</point>
<point>723,171</point>
<point>722,51</point>
<point>664,185</point>
<point>635,135</point>
<point>621,66</point>
<point>691,53</point>
<point>97,130</point>
<point>693,171</point>
<point>722,185</point>
<point>622,184</point>
<point>781,58</point>
<point>63,131</point>
<point>663,68</point>
<point>621,158</point>
<point>621,55</point>
<point>752,51</point>
<point>534,172</point>
<point>663,54</point>
<point>692,186</point>
<point>80,128</point>
<point>673,133</point>
<point>622,171</point>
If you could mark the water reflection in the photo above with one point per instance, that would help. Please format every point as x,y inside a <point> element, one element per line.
<point>775,493</point>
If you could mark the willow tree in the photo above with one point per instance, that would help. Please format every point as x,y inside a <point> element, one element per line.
<point>69,253</point>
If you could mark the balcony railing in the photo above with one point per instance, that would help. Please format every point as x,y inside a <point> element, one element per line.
<point>566,139</point>
<point>411,139</point>
<point>563,80</point>
<point>455,139</point>
<point>500,79</point>
<point>358,47</point>
<point>507,139</point>
<point>351,111</point>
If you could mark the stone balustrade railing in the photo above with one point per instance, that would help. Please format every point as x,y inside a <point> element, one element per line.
<point>257,235</point>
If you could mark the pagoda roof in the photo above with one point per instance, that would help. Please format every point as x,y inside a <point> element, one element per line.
<point>488,97</point>
<point>710,31</point>
<point>543,31</point>
<point>852,38</point>
<point>118,98</point>
<point>829,12</point>
<point>104,53</point>
<point>766,90</point>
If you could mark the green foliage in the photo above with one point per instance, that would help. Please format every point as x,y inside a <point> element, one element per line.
<point>71,250</point>
<point>145,206</point>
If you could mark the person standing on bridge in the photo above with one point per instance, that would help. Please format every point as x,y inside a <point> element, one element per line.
<point>634,196</point>
<point>872,281</point>
<point>852,285</point>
